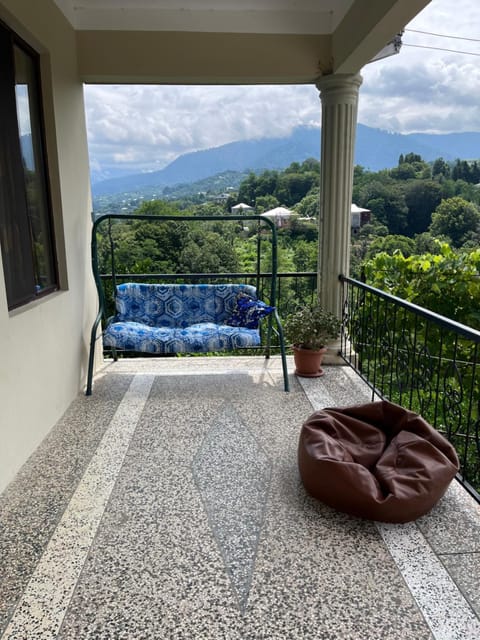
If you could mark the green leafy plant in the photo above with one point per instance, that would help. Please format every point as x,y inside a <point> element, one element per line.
<point>311,327</point>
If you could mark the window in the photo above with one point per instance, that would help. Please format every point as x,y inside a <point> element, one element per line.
<point>26,231</point>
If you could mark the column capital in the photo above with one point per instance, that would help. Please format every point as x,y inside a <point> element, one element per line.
<point>339,88</point>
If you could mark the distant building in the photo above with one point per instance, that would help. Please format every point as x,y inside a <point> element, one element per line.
<point>359,217</point>
<point>281,216</point>
<point>242,208</point>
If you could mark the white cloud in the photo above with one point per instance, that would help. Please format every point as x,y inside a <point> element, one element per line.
<point>428,90</point>
<point>143,128</point>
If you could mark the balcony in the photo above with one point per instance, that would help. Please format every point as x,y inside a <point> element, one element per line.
<point>144,575</point>
<point>168,505</point>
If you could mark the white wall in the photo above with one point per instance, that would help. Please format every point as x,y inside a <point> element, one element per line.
<point>43,346</point>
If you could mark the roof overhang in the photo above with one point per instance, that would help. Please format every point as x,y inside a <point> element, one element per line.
<point>227,42</point>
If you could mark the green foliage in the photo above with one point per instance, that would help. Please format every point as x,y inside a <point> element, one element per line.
<point>386,199</point>
<point>266,203</point>
<point>410,166</point>
<point>455,218</point>
<point>427,243</point>
<point>391,244</point>
<point>421,197</point>
<point>207,252</point>
<point>292,187</point>
<point>447,283</point>
<point>158,208</point>
<point>311,327</point>
<point>361,243</point>
<point>305,256</point>
<point>468,171</point>
<point>309,206</point>
<point>303,230</point>
<point>440,168</point>
<point>287,187</point>
<point>404,171</point>
<point>401,206</point>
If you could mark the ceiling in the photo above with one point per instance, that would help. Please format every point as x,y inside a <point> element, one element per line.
<point>230,41</point>
<point>221,16</point>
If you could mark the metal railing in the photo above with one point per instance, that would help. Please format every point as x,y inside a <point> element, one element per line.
<point>421,361</point>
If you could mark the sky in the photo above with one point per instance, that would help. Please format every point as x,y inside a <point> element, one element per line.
<point>132,129</point>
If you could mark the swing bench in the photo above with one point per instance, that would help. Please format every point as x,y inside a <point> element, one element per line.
<point>168,318</point>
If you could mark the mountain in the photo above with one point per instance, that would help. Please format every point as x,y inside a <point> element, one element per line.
<point>254,155</point>
<point>375,149</point>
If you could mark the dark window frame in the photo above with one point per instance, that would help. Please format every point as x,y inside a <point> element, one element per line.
<point>20,248</point>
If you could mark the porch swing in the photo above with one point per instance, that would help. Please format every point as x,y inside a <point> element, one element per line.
<point>184,313</point>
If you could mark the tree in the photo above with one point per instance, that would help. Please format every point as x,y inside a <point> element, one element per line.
<point>440,168</point>
<point>455,218</point>
<point>246,191</point>
<point>467,191</point>
<point>207,252</point>
<point>386,200</point>
<point>461,170</point>
<point>422,197</point>
<point>292,187</point>
<point>265,203</point>
<point>303,230</point>
<point>309,206</point>
<point>412,158</point>
<point>305,256</point>
<point>427,281</point>
<point>426,243</point>
<point>361,243</point>
<point>410,166</point>
<point>404,171</point>
<point>391,244</point>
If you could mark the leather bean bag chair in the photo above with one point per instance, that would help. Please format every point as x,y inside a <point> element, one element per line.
<point>376,461</point>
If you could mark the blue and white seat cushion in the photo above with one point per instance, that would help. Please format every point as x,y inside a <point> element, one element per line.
<point>197,338</point>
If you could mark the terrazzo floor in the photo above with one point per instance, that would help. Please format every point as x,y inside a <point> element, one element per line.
<point>168,506</point>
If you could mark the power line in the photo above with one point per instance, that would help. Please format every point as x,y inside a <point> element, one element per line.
<point>423,46</point>
<point>442,35</point>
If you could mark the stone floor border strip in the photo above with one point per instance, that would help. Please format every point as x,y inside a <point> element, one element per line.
<point>40,613</point>
<point>443,606</point>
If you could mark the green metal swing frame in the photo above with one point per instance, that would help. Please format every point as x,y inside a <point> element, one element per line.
<point>273,322</point>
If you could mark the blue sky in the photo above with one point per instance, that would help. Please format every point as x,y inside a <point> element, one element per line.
<point>143,128</point>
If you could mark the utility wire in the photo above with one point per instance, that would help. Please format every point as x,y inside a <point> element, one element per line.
<point>441,35</point>
<point>423,46</point>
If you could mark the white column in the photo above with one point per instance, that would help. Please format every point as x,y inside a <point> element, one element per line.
<point>339,96</point>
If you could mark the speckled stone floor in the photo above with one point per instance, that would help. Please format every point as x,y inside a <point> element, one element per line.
<point>168,506</point>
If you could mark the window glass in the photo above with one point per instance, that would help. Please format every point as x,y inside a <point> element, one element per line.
<point>26,232</point>
<point>29,130</point>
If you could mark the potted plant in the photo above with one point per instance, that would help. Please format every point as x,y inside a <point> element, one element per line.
<point>308,329</point>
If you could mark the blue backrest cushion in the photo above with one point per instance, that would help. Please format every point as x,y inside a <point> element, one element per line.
<point>248,311</point>
<point>178,305</point>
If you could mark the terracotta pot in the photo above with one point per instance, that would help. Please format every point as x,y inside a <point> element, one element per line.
<point>308,362</point>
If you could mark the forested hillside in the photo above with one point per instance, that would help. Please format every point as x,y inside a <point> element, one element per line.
<point>422,241</point>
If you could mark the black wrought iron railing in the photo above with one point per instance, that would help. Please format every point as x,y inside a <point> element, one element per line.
<point>420,360</point>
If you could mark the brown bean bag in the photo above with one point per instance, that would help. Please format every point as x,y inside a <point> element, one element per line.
<point>376,460</point>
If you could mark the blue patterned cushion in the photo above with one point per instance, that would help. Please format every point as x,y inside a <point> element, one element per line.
<point>248,311</point>
<point>177,305</point>
<point>180,318</point>
<point>198,338</point>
